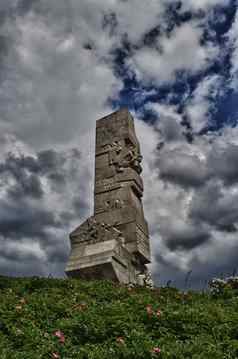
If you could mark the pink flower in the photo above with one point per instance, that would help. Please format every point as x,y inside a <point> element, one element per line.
<point>60,335</point>
<point>80,306</point>
<point>158,313</point>
<point>23,301</point>
<point>120,340</point>
<point>156,350</point>
<point>55,355</point>
<point>149,309</point>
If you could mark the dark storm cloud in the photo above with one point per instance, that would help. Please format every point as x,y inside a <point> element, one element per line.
<point>24,171</point>
<point>50,163</point>
<point>216,207</point>
<point>37,207</point>
<point>7,7</point>
<point>199,275</point>
<point>24,6</point>
<point>57,253</point>
<point>187,238</point>
<point>12,254</point>
<point>49,160</point>
<point>223,164</point>
<point>213,203</point>
<point>183,235</point>
<point>3,46</point>
<point>26,186</point>
<point>27,172</point>
<point>23,220</point>
<point>25,265</point>
<point>181,168</point>
<point>22,178</point>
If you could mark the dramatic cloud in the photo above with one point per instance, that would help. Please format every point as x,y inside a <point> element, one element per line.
<point>223,164</point>
<point>233,38</point>
<point>41,197</point>
<point>200,106</point>
<point>173,52</point>
<point>190,198</point>
<point>51,81</point>
<point>185,169</point>
<point>216,206</point>
<point>64,64</point>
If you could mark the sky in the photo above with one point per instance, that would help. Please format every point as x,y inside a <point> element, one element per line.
<point>174,64</point>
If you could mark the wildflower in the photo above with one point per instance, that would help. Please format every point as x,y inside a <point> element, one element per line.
<point>149,309</point>
<point>55,355</point>
<point>60,335</point>
<point>23,301</point>
<point>158,313</point>
<point>19,331</point>
<point>185,295</point>
<point>80,306</point>
<point>120,340</point>
<point>156,350</point>
<point>130,286</point>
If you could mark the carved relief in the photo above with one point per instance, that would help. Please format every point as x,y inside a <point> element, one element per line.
<point>115,151</point>
<point>94,232</point>
<point>134,159</point>
<point>123,157</point>
<point>142,241</point>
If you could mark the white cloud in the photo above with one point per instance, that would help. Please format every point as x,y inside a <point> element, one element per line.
<point>199,107</point>
<point>169,121</point>
<point>181,50</point>
<point>54,89</point>
<point>233,43</point>
<point>137,18</point>
<point>168,202</point>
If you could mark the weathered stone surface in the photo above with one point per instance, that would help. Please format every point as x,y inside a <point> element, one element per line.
<point>114,242</point>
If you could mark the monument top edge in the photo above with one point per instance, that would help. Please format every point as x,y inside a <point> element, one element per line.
<point>120,111</point>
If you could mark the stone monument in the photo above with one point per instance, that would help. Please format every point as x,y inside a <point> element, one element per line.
<point>114,242</point>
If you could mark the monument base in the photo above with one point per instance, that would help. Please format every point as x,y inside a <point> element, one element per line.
<point>109,260</point>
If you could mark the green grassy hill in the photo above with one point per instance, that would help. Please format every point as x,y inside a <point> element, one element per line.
<point>72,318</point>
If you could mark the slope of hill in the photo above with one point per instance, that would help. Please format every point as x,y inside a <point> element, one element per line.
<point>72,318</point>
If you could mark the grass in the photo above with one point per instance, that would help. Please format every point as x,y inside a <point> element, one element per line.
<point>104,320</point>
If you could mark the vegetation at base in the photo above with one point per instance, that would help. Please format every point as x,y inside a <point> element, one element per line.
<point>74,318</point>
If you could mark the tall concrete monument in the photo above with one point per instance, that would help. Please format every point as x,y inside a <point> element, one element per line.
<point>114,242</point>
